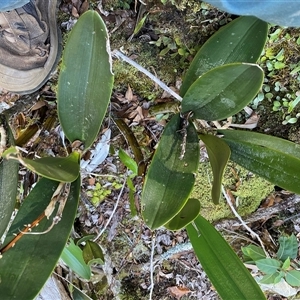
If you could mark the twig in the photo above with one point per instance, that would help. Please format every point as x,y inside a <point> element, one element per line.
<point>113,212</point>
<point>242,221</point>
<point>152,267</point>
<point>120,55</point>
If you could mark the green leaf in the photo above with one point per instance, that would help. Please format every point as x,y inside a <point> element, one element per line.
<point>223,91</point>
<point>188,213</point>
<point>73,257</point>
<point>279,65</point>
<point>92,253</point>
<point>223,267</point>
<point>31,261</point>
<point>272,158</point>
<point>86,79</point>
<point>254,252</point>
<point>128,161</point>
<point>8,182</point>
<point>8,191</point>
<point>293,278</point>
<point>268,265</point>
<point>62,169</point>
<point>242,40</point>
<point>79,295</point>
<point>169,180</point>
<point>269,278</point>
<point>286,264</point>
<point>278,278</point>
<point>218,153</point>
<point>288,247</point>
<point>140,24</point>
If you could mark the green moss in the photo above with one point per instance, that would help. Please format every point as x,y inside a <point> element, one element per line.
<point>247,188</point>
<point>117,4</point>
<point>186,32</point>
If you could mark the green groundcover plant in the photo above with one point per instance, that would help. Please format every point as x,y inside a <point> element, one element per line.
<point>276,269</point>
<point>222,79</point>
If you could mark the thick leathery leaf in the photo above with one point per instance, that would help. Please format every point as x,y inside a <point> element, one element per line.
<point>8,191</point>
<point>170,180</point>
<point>272,158</point>
<point>86,79</point>
<point>92,253</point>
<point>218,154</point>
<point>62,169</point>
<point>8,181</point>
<point>223,267</point>
<point>223,91</point>
<point>188,213</point>
<point>242,40</point>
<point>31,261</point>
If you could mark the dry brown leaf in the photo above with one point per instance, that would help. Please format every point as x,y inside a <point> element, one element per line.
<point>38,105</point>
<point>268,202</point>
<point>92,181</point>
<point>251,123</point>
<point>277,223</point>
<point>131,115</point>
<point>228,192</point>
<point>84,7</point>
<point>177,291</point>
<point>75,12</point>
<point>129,94</point>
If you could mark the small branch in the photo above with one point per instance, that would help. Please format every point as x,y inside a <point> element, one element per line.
<point>242,221</point>
<point>120,55</point>
<point>152,267</point>
<point>113,212</point>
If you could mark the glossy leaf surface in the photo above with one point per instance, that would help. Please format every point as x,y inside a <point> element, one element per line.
<point>31,261</point>
<point>86,79</point>
<point>242,40</point>
<point>92,253</point>
<point>223,267</point>
<point>170,180</point>
<point>128,161</point>
<point>272,158</point>
<point>188,213</point>
<point>8,183</point>
<point>73,257</point>
<point>62,169</point>
<point>8,191</point>
<point>223,91</point>
<point>218,154</point>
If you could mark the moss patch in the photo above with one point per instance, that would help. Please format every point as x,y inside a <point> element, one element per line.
<point>248,190</point>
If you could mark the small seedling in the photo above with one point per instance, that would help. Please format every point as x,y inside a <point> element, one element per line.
<point>276,269</point>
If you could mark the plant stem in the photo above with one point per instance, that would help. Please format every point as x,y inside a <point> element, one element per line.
<point>122,56</point>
